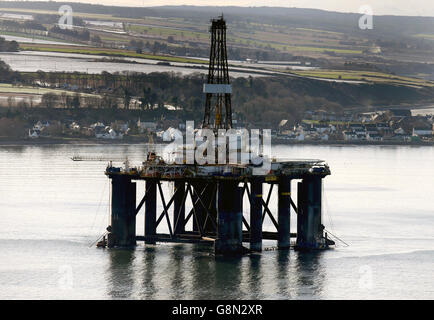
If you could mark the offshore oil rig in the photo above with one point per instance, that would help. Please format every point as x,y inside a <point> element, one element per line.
<point>217,190</point>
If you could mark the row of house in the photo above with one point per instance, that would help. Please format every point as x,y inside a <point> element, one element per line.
<point>423,133</point>
<point>116,130</point>
<point>107,132</point>
<point>306,131</point>
<point>38,128</point>
<point>392,125</point>
<point>98,130</point>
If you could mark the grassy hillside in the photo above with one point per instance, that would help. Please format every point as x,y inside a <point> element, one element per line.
<point>316,33</point>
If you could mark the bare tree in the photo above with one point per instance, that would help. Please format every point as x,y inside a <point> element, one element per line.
<point>31,101</point>
<point>11,101</point>
<point>49,100</point>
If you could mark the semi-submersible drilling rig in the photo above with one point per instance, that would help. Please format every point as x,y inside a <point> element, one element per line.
<point>217,190</point>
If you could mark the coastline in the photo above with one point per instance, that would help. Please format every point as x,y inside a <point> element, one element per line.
<point>4,142</point>
<point>66,141</point>
<point>354,143</point>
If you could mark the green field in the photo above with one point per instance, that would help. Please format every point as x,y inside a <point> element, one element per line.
<point>107,52</point>
<point>316,30</point>
<point>78,14</point>
<point>8,88</point>
<point>241,38</point>
<point>305,41</point>
<point>368,76</point>
<point>166,32</point>
<point>25,35</point>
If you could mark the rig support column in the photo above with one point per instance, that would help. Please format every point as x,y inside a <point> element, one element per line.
<point>197,190</point>
<point>179,207</point>
<point>209,200</point>
<point>256,215</point>
<point>230,215</point>
<point>123,217</point>
<point>309,226</point>
<point>151,209</point>
<point>284,207</point>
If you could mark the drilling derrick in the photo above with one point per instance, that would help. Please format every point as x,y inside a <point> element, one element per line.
<point>218,110</point>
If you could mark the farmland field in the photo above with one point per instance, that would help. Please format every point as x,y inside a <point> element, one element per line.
<point>106,52</point>
<point>174,34</point>
<point>376,77</point>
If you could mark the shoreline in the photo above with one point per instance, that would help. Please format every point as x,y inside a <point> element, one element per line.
<point>4,142</point>
<point>66,141</point>
<point>355,143</point>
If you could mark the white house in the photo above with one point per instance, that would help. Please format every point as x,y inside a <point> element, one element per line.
<point>124,127</point>
<point>356,126</point>
<point>144,126</point>
<point>113,135</point>
<point>361,137</point>
<point>74,126</point>
<point>300,137</point>
<point>371,128</point>
<point>374,137</point>
<point>97,125</point>
<point>349,135</point>
<point>41,125</point>
<point>332,128</point>
<point>34,133</point>
<point>107,133</point>
<point>399,131</point>
<point>321,128</point>
<point>422,131</point>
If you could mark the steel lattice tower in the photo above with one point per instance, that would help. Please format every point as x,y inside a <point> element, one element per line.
<point>218,109</point>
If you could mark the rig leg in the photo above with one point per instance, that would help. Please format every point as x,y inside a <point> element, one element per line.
<point>123,217</point>
<point>151,210</point>
<point>309,226</point>
<point>209,200</point>
<point>256,215</point>
<point>284,214</point>
<point>179,207</point>
<point>230,215</point>
<point>197,190</point>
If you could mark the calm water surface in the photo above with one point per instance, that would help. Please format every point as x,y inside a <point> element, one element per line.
<point>378,200</point>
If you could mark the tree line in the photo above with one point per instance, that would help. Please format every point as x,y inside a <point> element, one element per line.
<point>8,46</point>
<point>82,35</point>
<point>6,73</point>
<point>262,100</point>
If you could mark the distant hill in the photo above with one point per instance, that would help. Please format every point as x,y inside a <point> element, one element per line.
<point>384,26</point>
<point>308,18</point>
